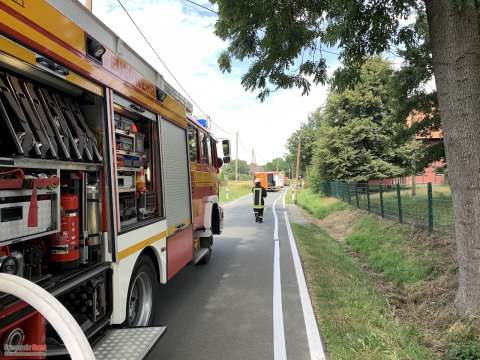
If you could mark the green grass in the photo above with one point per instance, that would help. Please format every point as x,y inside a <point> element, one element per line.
<point>288,196</point>
<point>319,205</point>
<point>414,208</point>
<point>236,189</point>
<point>355,320</point>
<point>388,249</point>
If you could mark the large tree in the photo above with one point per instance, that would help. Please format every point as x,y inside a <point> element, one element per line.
<point>243,169</point>
<point>360,138</point>
<point>283,39</point>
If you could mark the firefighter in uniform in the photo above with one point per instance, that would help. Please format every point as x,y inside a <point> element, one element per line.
<point>259,193</point>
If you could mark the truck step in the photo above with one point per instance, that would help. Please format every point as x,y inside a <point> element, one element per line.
<point>201,254</point>
<point>127,344</point>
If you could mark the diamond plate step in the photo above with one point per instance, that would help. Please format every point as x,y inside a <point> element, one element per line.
<point>127,344</point>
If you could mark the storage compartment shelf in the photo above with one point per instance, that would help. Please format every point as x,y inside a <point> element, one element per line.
<point>125,133</point>
<point>128,169</point>
<point>33,163</point>
<point>130,153</point>
<point>127,190</point>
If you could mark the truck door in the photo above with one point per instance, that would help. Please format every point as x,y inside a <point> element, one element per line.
<point>176,176</point>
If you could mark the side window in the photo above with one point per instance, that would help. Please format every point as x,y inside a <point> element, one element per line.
<point>213,145</point>
<point>192,144</point>
<point>206,152</point>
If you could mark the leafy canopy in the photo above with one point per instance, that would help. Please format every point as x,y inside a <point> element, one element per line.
<point>283,40</point>
<point>359,138</point>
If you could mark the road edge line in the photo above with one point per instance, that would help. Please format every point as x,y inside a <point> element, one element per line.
<point>279,349</point>
<point>315,343</point>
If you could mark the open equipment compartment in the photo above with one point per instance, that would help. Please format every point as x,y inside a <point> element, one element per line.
<point>51,197</point>
<point>138,175</point>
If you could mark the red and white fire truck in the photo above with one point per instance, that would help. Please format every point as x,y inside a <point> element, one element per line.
<point>108,185</point>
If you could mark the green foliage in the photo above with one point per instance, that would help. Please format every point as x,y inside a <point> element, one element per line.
<point>317,205</point>
<point>387,248</point>
<point>229,170</point>
<point>280,164</point>
<point>308,134</point>
<point>465,351</point>
<point>464,343</point>
<point>235,189</point>
<point>359,138</point>
<point>356,320</point>
<point>282,40</point>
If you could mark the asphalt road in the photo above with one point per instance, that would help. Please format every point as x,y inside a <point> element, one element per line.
<point>225,309</point>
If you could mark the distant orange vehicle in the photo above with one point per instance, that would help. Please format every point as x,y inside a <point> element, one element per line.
<point>270,180</point>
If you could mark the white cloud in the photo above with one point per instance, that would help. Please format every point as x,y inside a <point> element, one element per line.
<point>183,36</point>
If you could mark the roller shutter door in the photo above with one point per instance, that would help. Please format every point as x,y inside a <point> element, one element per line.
<point>176,177</point>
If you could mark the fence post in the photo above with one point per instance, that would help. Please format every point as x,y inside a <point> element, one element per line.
<point>399,202</point>
<point>349,196</point>
<point>368,198</point>
<point>430,207</point>
<point>382,210</point>
<point>356,195</point>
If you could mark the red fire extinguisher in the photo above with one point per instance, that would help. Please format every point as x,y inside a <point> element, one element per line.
<point>64,249</point>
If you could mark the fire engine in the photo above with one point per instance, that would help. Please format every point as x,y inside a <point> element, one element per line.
<point>108,185</point>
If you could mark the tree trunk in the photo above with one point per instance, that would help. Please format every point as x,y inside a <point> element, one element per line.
<point>455,41</point>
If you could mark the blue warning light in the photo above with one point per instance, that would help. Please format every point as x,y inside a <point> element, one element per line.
<point>203,122</point>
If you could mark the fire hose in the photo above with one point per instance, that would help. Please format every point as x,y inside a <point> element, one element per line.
<point>53,311</point>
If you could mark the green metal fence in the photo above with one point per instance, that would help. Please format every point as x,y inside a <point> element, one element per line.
<point>428,208</point>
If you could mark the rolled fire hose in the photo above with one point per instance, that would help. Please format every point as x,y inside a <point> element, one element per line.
<point>53,311</point>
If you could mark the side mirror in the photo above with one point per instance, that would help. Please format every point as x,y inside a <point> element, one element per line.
<point>226,159</point>
<point>226,148</point>
<point>219,163</point>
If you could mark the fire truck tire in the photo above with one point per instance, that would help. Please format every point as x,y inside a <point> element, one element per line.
<point>142,293</point>
<point>206,242</point>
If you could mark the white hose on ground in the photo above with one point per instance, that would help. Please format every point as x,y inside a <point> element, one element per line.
<point>46,304</point>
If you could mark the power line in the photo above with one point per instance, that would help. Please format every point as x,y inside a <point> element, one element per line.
<point>201,6</point>
<point>165,65</point>
<point>159,58</point>
<point>329,52</point>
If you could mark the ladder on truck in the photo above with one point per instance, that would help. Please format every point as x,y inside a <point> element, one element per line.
<point>116,344</point>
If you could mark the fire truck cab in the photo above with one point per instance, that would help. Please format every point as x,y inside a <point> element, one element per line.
<point>108,185</point>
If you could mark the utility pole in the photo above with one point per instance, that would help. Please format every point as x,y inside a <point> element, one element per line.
<point>236,156</point>
<point>297,170</point>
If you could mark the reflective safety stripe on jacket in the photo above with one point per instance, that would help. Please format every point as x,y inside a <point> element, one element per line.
<point>257,198</point>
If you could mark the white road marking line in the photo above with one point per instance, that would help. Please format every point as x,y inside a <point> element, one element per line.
<point>284,196</point>
<point>314,341</point>
<point>279,350</point>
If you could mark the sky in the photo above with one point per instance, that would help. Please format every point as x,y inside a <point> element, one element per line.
<point>183,35</point>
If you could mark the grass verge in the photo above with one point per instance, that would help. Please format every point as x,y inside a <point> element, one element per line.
<point>355,320</point>
<point>388,248</point>
<point>415,273</point>
<point>318,205</point>
<point>235,189</point>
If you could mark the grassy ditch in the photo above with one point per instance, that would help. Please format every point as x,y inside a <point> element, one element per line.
<point>355,320</point>
<point>317,205</point>
<point>235,190</point>
<point>407,277</point>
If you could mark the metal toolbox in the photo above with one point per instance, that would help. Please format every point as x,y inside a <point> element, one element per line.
<point>14,210</point>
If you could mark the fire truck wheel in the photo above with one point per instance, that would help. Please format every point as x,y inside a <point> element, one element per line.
<point>142,294</point>
<point>206,243</point>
